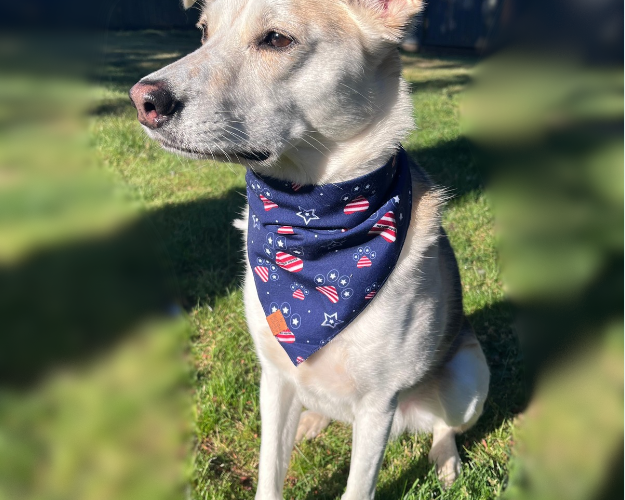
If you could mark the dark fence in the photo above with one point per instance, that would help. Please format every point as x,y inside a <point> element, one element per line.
<point>96,14</point>
<point>464,24</point>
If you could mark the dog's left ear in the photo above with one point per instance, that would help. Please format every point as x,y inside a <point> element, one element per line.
<point>188,3</point>
<point>394,15</point>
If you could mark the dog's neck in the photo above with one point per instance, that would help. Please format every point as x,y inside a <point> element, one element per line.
<point>319,160</point>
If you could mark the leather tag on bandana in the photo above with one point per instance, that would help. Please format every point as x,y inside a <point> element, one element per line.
<point>279,328</point>
<point>277,323</point>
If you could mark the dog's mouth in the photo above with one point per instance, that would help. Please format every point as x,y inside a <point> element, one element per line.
<point>221,155</point>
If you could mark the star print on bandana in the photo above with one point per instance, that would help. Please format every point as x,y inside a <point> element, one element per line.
<point>307,215</point>
<point>346,294</point>
<point>331,320</point>
<point>319,254</point>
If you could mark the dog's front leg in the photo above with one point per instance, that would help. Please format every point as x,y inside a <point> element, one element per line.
<point>279,411</point>
<point>372,425</point>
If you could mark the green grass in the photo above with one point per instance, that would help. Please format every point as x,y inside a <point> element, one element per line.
<point>191,205</point>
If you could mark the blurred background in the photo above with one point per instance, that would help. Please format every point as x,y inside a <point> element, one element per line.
<point>98,302</point>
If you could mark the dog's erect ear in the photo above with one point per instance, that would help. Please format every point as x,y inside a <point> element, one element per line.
<point>188,3</point>
<point>395,15</point>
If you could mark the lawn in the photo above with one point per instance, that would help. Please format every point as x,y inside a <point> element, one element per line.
<point>190,206</point>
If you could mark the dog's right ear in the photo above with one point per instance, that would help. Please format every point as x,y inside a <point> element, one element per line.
<point>393,16</point>
<point>188,3</point>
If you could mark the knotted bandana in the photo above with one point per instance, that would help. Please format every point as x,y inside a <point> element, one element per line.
<point>320,253</point>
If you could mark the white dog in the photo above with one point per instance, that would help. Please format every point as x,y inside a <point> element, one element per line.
<point>308,93</point>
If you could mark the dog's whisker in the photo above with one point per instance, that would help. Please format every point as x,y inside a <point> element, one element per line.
<point>309,133</point>
<point>224,153</point>
<point>361,95</point>
<point>235,134</point>
<point>320,143</point>
<point>314,147</point>
<point>291,144</point>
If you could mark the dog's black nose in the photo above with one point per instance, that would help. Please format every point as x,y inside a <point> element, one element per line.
<point>154,102</point>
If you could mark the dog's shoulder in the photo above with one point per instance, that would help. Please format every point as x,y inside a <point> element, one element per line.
<point>428,202</point>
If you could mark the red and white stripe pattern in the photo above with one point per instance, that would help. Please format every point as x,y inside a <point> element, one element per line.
<point>364,261</point>
<point>299,360</point>
<point>295,186</point>
<point>358,204</point>
<point>286,336</point>
<point>289,262</point>
<point>267,203</point>
<point>330,292</point>
<point>298,294</point>
<point>263,273</point>
<point>370,295</point>
<point>386,227</point>
<point>286,230</point>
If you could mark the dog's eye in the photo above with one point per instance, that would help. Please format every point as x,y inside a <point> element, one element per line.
<point>277,40</point>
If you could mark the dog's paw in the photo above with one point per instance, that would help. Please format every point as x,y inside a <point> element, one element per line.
<point>448,471</point>
<point>445,455</point>
<point>310,425</point>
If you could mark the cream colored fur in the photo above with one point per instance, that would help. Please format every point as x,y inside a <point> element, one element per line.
<point>331,107</point>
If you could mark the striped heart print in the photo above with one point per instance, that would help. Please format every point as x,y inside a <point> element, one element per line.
<point>386,227</point>
<point>263,273</point>
<point>286,336</point>
<point>330,292</point>
<point>370,295</point>
<point>364,261</point>
<point>358,204</point>
<point>289,262</point>
<point>286,230</point>
<point>298,294</point>
<point>267,203</point>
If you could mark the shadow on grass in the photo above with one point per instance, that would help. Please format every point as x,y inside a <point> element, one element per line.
<point>451,165</point>
<point>454,83</point>
<point>65,304</point>
<point>397,488</point>
<point>126,57</point>
<point>332,487</point>
<point>425,60</point>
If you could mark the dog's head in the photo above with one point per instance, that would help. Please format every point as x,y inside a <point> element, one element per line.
<point>274,76</point>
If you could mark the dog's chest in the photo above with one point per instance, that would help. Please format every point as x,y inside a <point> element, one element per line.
<point>391,343</point>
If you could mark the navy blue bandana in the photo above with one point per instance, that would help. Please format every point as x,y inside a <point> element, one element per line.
<point>320,253</point>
